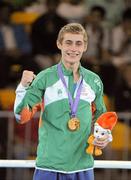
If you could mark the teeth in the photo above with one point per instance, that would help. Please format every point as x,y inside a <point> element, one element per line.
<point>72,54</point>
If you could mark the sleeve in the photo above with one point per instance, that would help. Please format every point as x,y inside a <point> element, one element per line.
<point>20,93</point>
<point>99,100</point>
<point>29,100</point>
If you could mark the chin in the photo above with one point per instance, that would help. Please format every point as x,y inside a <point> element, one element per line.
<point>72,60</point>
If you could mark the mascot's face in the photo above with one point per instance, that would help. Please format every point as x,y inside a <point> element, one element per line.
<point>101,133</point>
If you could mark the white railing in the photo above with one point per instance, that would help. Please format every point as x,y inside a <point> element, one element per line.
<point>97,164</point>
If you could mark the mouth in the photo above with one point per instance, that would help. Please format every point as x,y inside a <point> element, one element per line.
<point>73,54</point>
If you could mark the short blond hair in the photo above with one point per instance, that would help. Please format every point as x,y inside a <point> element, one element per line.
<point>74,28</point>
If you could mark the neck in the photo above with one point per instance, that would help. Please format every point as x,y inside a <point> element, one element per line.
<point>71,66</point>
<point>74,67</point>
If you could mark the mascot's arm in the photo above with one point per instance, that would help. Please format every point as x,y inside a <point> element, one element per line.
<point>90,139</point>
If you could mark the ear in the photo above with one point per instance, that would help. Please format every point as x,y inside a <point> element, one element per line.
<point>85,48</point>
<point>58,45</point>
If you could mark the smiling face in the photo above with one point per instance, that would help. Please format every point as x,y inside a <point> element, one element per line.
<point>72,47</point>
<point>72,41</point>
<point>101,133</point>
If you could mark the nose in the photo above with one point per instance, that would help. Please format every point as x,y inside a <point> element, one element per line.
<point>73,47</point>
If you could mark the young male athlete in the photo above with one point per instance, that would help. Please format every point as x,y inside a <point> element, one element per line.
<point>66,93</point>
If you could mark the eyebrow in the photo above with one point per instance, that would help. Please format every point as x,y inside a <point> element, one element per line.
<point>79,41</point>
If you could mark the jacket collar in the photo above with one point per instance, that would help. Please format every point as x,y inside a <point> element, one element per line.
<point>68,72</point>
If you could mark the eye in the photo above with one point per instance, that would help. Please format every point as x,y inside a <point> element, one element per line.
<point>96,131</point>
<point>79,43</point>
<point>103,134</point>
<point>68,42</point>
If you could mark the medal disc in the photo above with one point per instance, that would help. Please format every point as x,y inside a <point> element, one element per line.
<point>73,124</point>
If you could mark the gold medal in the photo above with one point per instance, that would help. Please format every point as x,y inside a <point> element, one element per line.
<point>74,124</point>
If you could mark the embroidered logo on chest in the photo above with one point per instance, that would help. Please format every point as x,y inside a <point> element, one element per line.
<point>59,92</point>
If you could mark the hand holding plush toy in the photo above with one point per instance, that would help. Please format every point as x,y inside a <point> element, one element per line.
<point>102,131</point>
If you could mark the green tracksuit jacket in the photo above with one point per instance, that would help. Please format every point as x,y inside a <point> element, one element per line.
<point>60,149</point>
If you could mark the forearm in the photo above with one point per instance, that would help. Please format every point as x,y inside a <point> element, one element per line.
<point>20,93</point>
<point>28,101</point>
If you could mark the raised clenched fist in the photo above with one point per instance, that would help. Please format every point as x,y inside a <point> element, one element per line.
<point>27,78</point>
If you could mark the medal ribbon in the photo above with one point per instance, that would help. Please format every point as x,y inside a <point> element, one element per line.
<point>73,103</point>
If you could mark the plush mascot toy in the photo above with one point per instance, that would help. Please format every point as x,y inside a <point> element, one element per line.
<point>102,130</point>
